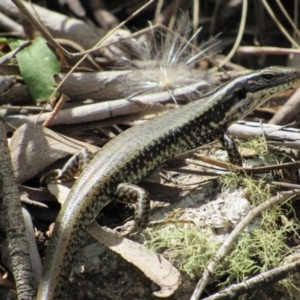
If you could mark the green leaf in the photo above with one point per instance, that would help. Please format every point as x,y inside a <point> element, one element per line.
<point>37,65</point>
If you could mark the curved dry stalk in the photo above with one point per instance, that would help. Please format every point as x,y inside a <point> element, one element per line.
<point>158,9</point>
<point>257,282</point>
<point>214,17</point>
<point>62,100</point>
<point>286,34</point>
<point>229,242</point>
<point>104,110</point>
<point>38,24</point>
<point>51,40</point>
<point>157,82</point>
<point>239,36</point>
<point>173,16</point>
<point>296,14</point>
<point>95,47</point>
<point>296,30</point>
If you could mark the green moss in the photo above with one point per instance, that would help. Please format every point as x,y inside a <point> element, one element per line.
<point>257,189</point>
<point>185,246</point>
<point>258,251</point>
<point>258,145</point>
<point>191,248</point>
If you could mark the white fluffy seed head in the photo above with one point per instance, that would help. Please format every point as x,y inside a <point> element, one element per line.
<point>166,60</point>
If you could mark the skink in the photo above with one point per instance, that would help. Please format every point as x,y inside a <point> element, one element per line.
<point>129,157</point>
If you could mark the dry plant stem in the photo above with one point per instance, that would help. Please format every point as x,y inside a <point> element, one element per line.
<point>271,13</point>
<point>296,13</point>
<point>86,113</point>
<point>37,24</point>
<point>229,243</point>
<point>289,111</point>
<point>172,21</point>
<point>12,53</point>
<point>77,30</point>
<point>159,6</point>
<point>239,37</point>
<point>195,172</point>
<point>104,110</point>
<point>230,167</point>
<point>15,107</point>
<point>231,66</point>
<point>91,40</point>
<point>246,50</point>
<point>214,17</point>
<point>99,86</point>
<point>14,222</point>
<point>276,136</point>
<point>217,174</point>
<point>196,13</point>
<point>257,282</point>
<point>58,24</point>
<point>296,31</point>
<point>284,184</point>
<point>79,48</point>
<point>62,100</point>
<point>218,163</point>
<point>96,46</point>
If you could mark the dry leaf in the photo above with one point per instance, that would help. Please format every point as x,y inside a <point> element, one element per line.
<point>33,148</point>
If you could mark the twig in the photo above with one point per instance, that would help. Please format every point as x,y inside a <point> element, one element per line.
<point>98,45</point>
<point>12,53</point>
<point>275,135</point>
<point>214,17</point>
<point>288,111</point>
<point>257,282</point>
<point>296,13</point>
<point>104,110</point>
<point>271,13</point>
<point>41,28</point>
<point>175,5</point>
<point>246,50</point>
<point>229,243</point>
<point>61,102</point>
<point>14,222</point>
<point>227,166</point>
<point>239,37</point>
<point>288,17</point>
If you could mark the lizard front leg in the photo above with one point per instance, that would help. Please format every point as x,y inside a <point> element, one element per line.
<point>231,148</point>
<point>125,192</point>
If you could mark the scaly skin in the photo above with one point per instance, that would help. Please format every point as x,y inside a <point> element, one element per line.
<point>135,153</point>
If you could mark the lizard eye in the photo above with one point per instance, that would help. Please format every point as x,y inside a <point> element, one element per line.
<point>268,76</point>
